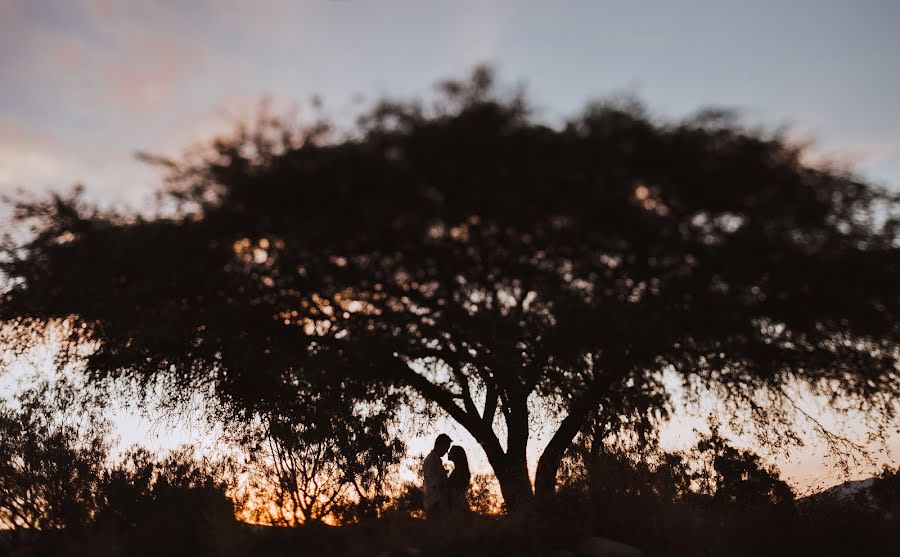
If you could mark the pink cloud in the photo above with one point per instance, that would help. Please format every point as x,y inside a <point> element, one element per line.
<point>844,154</point>
<point>26,157</point>
<point>148,72</point>
<point>203,125</point>
<point>852,156</point>
<point>66,54</point>
<point>7,9</point>
<point>105,12</point>
<point>35,161</point>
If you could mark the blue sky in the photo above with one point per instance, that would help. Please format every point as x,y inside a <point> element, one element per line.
<point>87,83</point>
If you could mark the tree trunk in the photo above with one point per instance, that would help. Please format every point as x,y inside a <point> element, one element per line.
<point>545,478</point>
<point>515,485</point>
<point>551,458</point>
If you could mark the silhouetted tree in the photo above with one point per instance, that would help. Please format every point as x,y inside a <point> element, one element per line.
<point>49,463</point>
<point>484,496</point>
<point>739,476</point>
<point>409,500</point>
<point>55,471</point>
<point>325,462</point>
<point>469,255</point>
<point>298,475</point>
<point>886,491</point>
<point>144,488</point>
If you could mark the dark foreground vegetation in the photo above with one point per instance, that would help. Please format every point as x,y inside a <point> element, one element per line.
<point>196,521</point>
<point>64,495</point>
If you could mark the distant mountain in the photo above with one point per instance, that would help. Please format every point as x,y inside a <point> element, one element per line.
<point>876,493</point>
<point>847,490</point>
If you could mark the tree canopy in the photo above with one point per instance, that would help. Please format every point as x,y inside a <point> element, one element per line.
<point>465,253</point>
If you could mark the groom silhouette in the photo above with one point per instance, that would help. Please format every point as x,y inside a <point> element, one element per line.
<point>435,478</point>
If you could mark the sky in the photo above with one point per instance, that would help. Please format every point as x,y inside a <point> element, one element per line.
<point>84,85</point>
<point>87,83</point>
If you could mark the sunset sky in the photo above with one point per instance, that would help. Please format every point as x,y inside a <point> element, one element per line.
<point>86,84</point>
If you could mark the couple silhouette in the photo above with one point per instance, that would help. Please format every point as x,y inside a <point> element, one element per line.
<point>445,494</point>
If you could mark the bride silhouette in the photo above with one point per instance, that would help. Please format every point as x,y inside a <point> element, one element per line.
<point>458,482</point>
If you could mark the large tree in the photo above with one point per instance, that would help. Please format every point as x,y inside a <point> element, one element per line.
<point>504,270</point>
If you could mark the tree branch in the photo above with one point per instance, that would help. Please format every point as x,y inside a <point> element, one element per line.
<point>490,404</point>
<point>445,400</point>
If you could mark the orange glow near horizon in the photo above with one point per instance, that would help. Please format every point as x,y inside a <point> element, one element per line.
<point>806,469</point>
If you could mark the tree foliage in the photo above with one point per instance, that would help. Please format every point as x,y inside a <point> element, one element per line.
<point>465,253</point>
<point>739,476</point>
<point>49,464</point>
<point>311,469</point>
<point>174,489</point>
